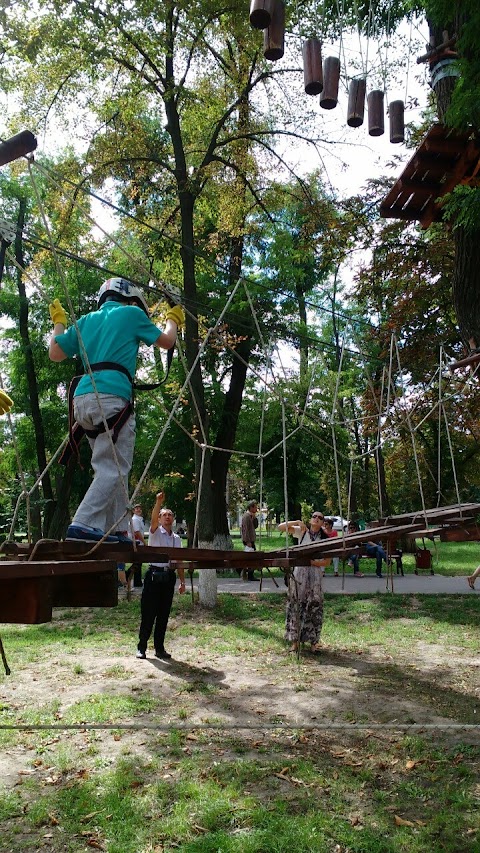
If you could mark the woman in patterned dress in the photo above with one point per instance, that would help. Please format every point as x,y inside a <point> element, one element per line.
<point>304,614</point>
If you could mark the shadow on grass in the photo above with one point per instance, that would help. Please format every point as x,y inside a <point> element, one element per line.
<point>452,609</point>
<point>432,689</point>
<point>189,672</point>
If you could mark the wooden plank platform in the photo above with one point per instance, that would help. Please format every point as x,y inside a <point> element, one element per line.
<point>31,589</point>
<point>462,533</point>
<point>27,601</point>
<point>337,546</point>
<point>36,578</point>
<point>444,159</point>
<point>455,513</point>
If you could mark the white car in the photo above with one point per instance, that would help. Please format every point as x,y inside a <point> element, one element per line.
<point>340,524</point>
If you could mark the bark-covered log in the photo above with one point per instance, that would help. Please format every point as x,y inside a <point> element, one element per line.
<point>466,283</point>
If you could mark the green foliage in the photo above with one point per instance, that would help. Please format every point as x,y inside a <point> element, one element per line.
<point>462,206</point>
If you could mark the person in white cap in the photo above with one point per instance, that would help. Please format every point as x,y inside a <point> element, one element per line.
<point>110,337</point>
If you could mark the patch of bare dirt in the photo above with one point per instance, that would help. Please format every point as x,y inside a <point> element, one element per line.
<point>244,692</point>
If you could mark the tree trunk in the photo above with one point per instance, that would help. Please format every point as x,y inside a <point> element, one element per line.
<point>207,587</point>
<point>232,400</point>
<point>465,285</point>
<point>186,196</point>
<point>61,516</point>
<point>302,316</point>
<point>384,501</point>
<point>48,498</point>
<point>226,438</point>
<point>465,288</point>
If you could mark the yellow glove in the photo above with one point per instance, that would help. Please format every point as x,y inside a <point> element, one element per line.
<point>57,313</point>
<point>176,314</point>
<point>5,403</point>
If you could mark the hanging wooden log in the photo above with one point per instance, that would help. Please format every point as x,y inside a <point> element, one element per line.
<point>356,102</point>
<point>396,112</point>
<point>312,66</point>
<point>17,146</point>
<point>261,14</point>
<point>331,78</point>
<point>274,36</point>
<point>376,119</point>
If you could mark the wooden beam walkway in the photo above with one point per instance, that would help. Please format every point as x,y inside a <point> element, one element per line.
<point>50,573</point>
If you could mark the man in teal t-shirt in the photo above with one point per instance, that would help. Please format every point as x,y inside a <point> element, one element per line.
<point>109,338</point>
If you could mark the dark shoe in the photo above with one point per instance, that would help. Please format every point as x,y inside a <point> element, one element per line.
<point>121,536</point>
<point>77,533</point>
<point>140,655</point>
<point>163,655</point>
<point>379,575</point>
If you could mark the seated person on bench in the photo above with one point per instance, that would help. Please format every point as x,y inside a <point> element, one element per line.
<point>371,549</point>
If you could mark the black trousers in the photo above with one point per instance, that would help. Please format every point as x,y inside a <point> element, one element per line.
<point>155,607</point>
<point>136,568</point>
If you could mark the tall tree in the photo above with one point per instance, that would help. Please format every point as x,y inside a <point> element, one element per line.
<point>160,56</point>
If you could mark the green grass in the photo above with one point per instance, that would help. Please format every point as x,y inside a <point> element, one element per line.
<point>205,790</point>
<point>309,795</point>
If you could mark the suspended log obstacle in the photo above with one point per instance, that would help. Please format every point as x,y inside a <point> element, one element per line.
<point>312,66</point>
<point>376,118</point>
<point>356,102</point>
<point>396,113</point>
<point>331,79</point>
<point>17,146</point>
<point>261,14</point>
<point>274,35</point>
<point>323,78</point>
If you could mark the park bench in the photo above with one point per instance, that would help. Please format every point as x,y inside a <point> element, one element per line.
<point>395,555</point>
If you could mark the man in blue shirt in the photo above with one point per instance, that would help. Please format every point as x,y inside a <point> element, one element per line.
<point>108,341</point>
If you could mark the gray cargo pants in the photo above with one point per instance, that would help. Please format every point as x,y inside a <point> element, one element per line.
<point>105,501</point>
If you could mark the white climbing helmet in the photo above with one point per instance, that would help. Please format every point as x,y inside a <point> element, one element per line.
<point>123,288</point>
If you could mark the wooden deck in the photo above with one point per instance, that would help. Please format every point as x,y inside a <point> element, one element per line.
<point>444,159</point>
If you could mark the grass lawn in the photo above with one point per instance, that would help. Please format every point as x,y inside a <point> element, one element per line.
<point>236,745</point>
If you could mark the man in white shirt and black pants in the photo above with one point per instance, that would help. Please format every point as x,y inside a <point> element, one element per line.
<point>159,583</point>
